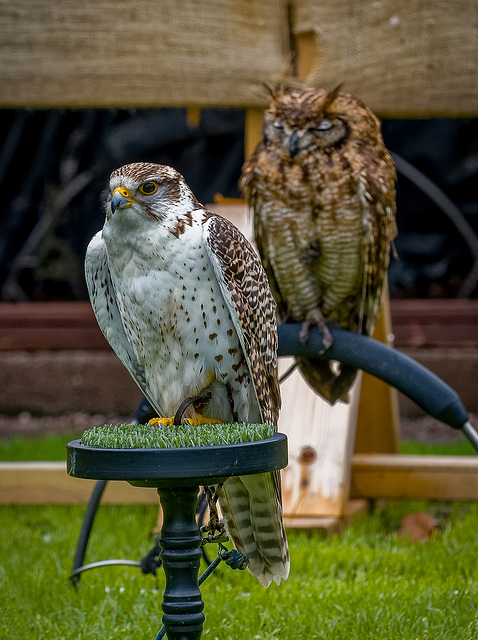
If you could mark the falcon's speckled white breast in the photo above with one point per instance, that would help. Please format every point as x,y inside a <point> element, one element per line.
<point>172,306</point>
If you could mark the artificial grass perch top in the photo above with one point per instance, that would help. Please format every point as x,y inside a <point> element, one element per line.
<point>146,436</point>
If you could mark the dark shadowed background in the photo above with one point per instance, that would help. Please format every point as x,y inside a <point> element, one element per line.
<point>54,164</point>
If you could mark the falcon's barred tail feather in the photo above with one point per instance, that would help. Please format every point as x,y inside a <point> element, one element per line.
<point>252,508</point>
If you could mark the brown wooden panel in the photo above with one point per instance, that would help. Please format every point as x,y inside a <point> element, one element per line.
<point>402,58</point>
<point>72,325</point>
<point>61,382</point>
<point>144,53</point>
<point>435,323</point>
<point>49,325</point>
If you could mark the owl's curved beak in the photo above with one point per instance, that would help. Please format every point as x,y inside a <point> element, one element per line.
<point>121,199</point>
<point>294,144</point>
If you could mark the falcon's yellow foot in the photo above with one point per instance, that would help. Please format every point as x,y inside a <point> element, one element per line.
<point>194,422</point>
<point>162,422</point>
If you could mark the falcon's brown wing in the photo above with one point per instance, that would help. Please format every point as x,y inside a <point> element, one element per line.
<point>246,292</point>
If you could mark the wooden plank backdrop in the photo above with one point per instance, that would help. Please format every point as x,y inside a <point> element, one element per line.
<point>55,326</point>
<point>410,58</point>
<point>110,53</point>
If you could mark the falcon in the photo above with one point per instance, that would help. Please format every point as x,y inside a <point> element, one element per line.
<point>183,300</point>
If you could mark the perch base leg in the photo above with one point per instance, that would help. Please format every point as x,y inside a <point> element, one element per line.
<point>180,543</point>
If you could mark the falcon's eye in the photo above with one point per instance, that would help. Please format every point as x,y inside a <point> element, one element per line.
<point>148,188</point>
<point>324,125</point>
<point>277,124</point>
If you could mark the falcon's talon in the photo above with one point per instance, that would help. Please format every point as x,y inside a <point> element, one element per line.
<point>194,422</point>
<point>161,422</point>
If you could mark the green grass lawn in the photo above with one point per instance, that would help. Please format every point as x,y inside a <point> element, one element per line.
<point>20,449</point>
<point>367,583</point>
<point>53,447</point>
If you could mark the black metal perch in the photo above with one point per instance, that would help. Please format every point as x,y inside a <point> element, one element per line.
<point>417,382</point>
<point>177,474</point>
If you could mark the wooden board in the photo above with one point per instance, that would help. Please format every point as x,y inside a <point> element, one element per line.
<point>417,324</point>
<point>147,53</point>
<point>321,439</point>
<point>378,422</point>
<point>411,58</point>
<point>372,476</point>
<point>414,477</point>
<point>48,483</point>
<point>408,58</point>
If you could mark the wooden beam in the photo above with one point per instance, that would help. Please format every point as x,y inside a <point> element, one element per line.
<point>98,53</point>
<point>48,483</point>
<point>387,476</point>
<point>253,131</point>
<point>72,325</point>
<point>378,421</point>
<point>408,59</point>
<point>414,477</point>
<point>412,59</point>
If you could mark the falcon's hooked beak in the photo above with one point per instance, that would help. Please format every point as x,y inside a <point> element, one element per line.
<point>121,199</point>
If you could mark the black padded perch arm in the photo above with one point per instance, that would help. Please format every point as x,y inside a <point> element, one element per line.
<point>414,380</point>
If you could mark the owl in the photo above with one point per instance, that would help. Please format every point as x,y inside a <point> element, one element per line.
<point>184,301</point>
<point>321,185</point>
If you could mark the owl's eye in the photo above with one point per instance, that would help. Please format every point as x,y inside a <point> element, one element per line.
<point>277,124</point>
<point>148,188</point>
<point>324,125</point>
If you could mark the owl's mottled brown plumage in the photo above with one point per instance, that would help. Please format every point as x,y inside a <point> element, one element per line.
<point>184,301</point>
<point>322,187</point>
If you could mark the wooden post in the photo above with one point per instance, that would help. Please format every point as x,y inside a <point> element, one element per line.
<point>378,422</point>
<point>253,132</point>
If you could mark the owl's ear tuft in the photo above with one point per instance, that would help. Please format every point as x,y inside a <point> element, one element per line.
<point>276,92</point>
<point>331,95</point>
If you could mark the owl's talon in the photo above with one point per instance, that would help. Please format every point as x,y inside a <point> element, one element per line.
<point>326,337</point>
<point>315,319</point>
